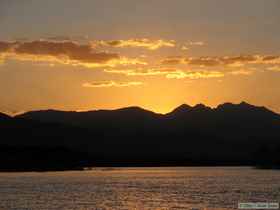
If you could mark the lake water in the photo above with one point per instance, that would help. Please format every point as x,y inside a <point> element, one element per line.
<point>139,188</point>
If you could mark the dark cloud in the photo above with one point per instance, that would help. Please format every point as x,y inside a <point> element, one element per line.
<point>172,61</point>
<point>72,50</point>
<point>64,52</point>
<point>203,61</point>
<point>102,84</point>
<point>6,46</point>
<point>270,57</point>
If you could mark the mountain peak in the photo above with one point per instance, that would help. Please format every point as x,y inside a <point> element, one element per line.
<point>132,109</point>
<point>244,103</point>
<point>4,116</point>
<point>228,105</point>
<point>182,108</point>
<point>201,107</point>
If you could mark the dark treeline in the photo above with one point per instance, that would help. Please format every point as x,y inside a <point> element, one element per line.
<point>230,134</point>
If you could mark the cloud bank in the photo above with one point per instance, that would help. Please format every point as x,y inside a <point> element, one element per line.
<point>65,52</point>
<point>208,61</point>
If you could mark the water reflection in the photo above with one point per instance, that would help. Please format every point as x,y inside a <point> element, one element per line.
<point>139,188</point>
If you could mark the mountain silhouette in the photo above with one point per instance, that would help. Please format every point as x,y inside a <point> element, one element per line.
<point>4,116</point>
<point>180,110</point>
<point>230,134</point>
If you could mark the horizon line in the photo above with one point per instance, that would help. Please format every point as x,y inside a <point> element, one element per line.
<point>15,113</point>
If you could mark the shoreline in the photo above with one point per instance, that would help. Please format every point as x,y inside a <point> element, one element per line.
<point>109,168</point>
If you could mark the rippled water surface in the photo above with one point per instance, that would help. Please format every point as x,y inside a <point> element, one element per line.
<point>139,188</point>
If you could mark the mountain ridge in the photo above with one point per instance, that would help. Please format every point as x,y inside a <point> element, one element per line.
<point>181,108</point>
<point>230,134</point>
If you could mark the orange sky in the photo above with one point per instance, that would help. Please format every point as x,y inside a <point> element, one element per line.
<point>104,56</point>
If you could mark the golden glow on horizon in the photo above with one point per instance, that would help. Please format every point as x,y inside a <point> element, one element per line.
<point>155,81</point>
<point>156,55</point>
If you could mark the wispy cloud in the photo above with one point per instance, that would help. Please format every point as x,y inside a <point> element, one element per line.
<point>170,73</point>
<point>187,45</point>
<point>104,84</point>
<point>142,71</point>
<point>200,43</point>
<point>173,60</point>
<point>209,61</point>
<point>63,50</point>
<point>139,43</point>
<point>194,74</point>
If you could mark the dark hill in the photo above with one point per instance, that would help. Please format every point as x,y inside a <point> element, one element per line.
<point>231,134</point>
<point>91,118</point>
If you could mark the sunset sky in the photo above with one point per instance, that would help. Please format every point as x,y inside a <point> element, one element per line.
<point>156,54</point>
